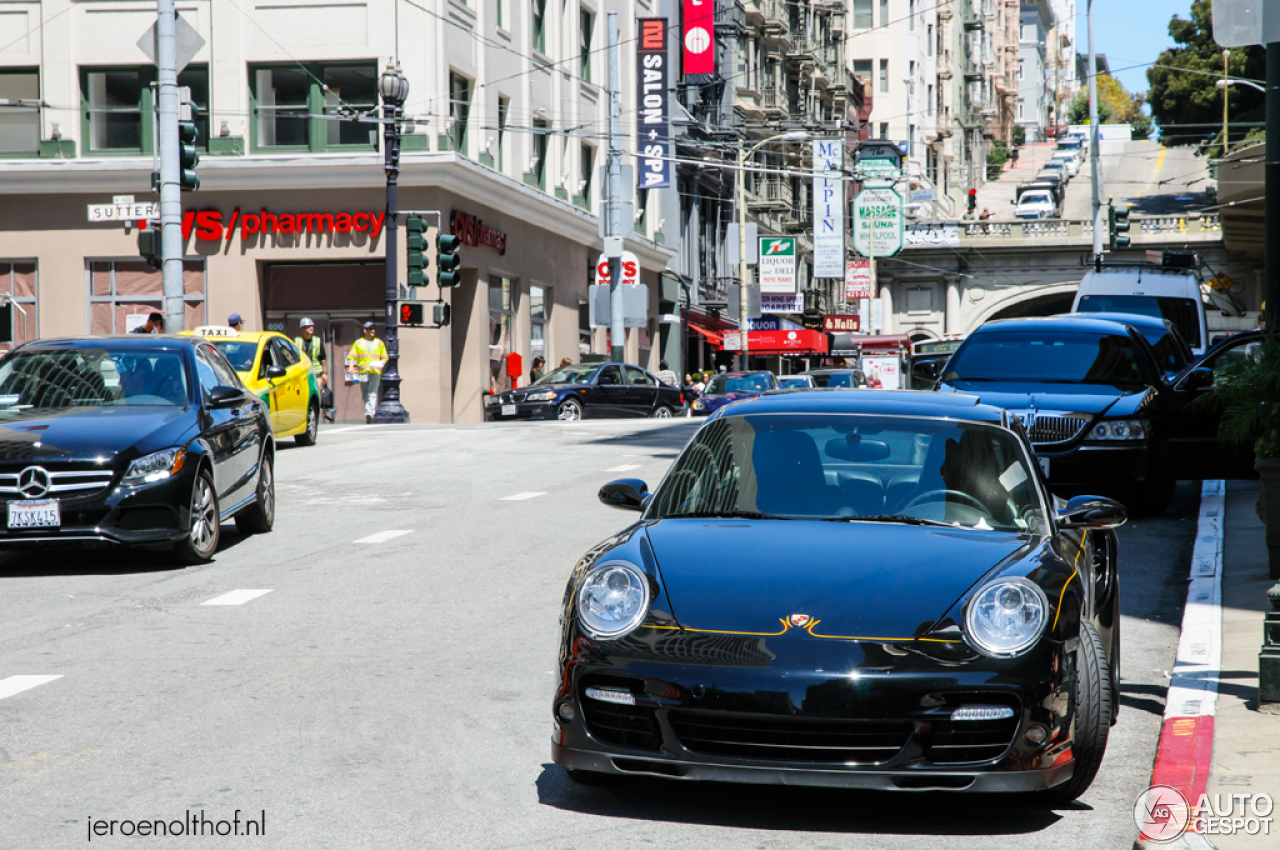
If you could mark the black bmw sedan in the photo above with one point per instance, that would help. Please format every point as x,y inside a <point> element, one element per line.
<point>862,590</point>
<point>130,440</point>
<point>589,390</point>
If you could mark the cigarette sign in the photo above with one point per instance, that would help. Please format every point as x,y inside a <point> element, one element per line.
<point>777,264</point>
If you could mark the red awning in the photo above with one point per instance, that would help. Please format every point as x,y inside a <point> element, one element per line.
<point>712,337</point>
<point>801,341</point>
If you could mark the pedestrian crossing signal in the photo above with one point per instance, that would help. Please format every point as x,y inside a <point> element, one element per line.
<point>413,313</point>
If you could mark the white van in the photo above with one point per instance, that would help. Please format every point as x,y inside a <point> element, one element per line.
<point>1163,291</point>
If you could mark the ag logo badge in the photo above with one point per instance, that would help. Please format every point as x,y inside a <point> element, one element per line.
<point>799,620</point>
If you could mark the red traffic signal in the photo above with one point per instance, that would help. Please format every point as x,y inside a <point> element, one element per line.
<point>412,313</point>
<point>973,199</point>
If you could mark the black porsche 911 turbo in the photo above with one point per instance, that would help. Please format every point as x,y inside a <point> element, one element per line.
<point>130,440</point>
<point>860,590</point>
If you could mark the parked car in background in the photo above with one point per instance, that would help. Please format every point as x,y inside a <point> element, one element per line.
<point>728,387</point>
<point>588,391</point>
<point>796,382</point>
<point>1173,355</point>
<point>1056,166</point>
<point>1035,205</point>
<point>1069,160</point>
<point>836,378</point>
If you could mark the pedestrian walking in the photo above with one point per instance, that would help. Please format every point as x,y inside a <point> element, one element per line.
<point>566,361</point>
<point>236,322</point>
<point>535,371</point>
<point>312,346</point>
<point>666,375</point>
<point>365,360</point>
<point>690,392</point>
<point>153,325</point>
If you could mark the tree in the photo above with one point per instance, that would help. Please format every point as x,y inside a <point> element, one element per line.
<point>1184,98</point>
<point>1115,106</point>
<point>1079,111</point>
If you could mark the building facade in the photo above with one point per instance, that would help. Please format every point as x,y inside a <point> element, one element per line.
<point>1035,93</point>
<point>506,125</point>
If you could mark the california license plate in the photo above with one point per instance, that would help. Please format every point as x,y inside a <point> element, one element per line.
<point>508,410</point>
<point>1044,466</point>
<point>35,513</point>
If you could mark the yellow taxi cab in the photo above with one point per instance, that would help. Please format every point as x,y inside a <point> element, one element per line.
<point>273,368</point>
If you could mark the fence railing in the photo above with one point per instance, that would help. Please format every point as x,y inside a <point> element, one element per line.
<point>1156,229</point>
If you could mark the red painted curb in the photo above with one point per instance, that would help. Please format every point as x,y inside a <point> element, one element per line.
<point>1185,755</point>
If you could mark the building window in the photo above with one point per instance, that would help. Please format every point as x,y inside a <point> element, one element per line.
<point>862,14</point>
<point>884,129</point>
<point>459,110</point>
<point>504,110</point>
<point>911,15</point>
<point>19,321</point>
<point>499,15</point>
<point>119,112</point>
<point>539,315</point>
<point>928,40</point>
<point>1020,61</point>
<point>538,11</point>
<point>587,167</point>
<point>930,99</point>
<point>502,331</point>
<point>122,293</point>
<point>586,24</point>
<point>283,99</point>
<point>19,114</point>
<point>1020,115</point>
<point>538,163</point>
<point>884,13</point>
<point>862,70</point>
<point>884,75</point>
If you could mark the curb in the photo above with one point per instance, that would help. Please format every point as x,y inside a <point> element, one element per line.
<point>1185,753</point>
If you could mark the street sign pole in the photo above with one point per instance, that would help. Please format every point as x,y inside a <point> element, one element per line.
<point>170,185</point>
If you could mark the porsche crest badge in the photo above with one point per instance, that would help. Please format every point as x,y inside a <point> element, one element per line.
<point>799,620</point>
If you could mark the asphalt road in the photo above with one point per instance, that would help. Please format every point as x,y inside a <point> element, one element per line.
<point>396,694</point>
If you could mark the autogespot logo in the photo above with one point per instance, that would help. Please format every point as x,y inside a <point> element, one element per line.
<point>1162,813</point>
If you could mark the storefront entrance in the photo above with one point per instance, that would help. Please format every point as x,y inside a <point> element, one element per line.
<point>339,298</point>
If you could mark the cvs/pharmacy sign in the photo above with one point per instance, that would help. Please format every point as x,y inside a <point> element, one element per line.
<point>630,269</point>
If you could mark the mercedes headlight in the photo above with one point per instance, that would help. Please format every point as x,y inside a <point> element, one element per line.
<point>1007,616</point>
<point>541,395</point>
<point>156,466</point>
<point>1119,429</point>
<point>612,600</point>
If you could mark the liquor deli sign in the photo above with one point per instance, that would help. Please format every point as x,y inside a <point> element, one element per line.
<point>474,233</point>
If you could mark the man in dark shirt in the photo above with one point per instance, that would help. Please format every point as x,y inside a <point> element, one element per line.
<point>153,325</point>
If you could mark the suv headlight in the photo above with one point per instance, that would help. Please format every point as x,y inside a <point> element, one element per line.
<point>1006,617</point>
<point>541,395</point>
<point>156,466</point>
<point>612,600</point>
<point>1119,429</point>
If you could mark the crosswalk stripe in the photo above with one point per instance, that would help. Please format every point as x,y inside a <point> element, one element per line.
<point>626,467</point>
<point>520,497</point>
<point>383,536</point>
<point>18,684</point>
<point>236,597</point>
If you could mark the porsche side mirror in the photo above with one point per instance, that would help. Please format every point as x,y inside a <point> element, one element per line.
<point>1092,512</point>
<point>1197,379</point>
<point>274,372</point>
<point>222,397</point>
<point>628,494</point>
<point>925,370</point>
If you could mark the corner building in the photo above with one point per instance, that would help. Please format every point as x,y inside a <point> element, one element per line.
<point>506,123</point>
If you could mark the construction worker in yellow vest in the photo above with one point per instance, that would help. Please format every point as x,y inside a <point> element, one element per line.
<point>365,361</point>
<point>312,346</point>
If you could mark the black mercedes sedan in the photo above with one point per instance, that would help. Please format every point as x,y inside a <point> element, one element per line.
<point>130,440</point>
<point>862,590</point>
<point>589,391</point>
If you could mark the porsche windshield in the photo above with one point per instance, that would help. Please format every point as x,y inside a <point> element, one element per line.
<point>52,378</point>
<point>1063,358</point>
<point>850,467</point>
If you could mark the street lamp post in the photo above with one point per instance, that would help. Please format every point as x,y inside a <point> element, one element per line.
<point>744,270</point>
<point>394,89</point>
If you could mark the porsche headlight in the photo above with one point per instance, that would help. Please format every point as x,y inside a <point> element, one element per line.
<point>156,466</point>
<point>1119,429</point>
<point>541,395</point>
<point>1007,616</point>
<point>612,600</point>
<point>698,404</point>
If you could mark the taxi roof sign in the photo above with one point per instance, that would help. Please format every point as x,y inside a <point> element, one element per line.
<point>215,330</point>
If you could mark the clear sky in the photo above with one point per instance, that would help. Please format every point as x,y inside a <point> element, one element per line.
<point>1129,32</point>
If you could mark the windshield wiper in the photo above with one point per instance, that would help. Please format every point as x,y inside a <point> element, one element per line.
<point>726,515</point>
<point>902,518</point>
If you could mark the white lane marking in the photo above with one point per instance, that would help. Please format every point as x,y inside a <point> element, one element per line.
<point>18,684</point>
<point>626,467</point>
<point>383,536</point>
<point>520,497</point>
<point>236,597</point>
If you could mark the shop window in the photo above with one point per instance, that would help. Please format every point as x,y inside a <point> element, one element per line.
<point>538,14</point>
<point>19,112</point>
<point>539,314</point>
<point>502,331</point>
<point>283,99</point>
<point>586,25</point>
<point>119,107</point>
<point>459,110</point>
<point>122,293</point>
<point>538,162</point>
<point>19,321</point>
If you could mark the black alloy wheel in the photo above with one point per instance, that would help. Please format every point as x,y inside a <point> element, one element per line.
<point>260,517</point>
<point>662,412</point>
<point>205,529</point>
<point>1092,723</point>
<point>570,410</point>
<point>308,437</point>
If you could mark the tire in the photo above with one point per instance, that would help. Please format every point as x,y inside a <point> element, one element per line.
<point>260,517</point>
<point>204,530</point>
<point>308,437</point>
<point>662,412</point>
<point>1093,706</point>
<point>570,410</point>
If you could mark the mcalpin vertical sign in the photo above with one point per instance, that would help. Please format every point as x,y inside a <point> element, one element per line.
<point>828,208</point>
<point>655,126</point>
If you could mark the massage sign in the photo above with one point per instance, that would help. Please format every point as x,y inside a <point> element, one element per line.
<point>212,226</point>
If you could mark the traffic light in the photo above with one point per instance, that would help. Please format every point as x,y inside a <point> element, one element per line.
<point>412,313</point>
<point>1118,224</point>
<point>149,245</point>
<point>447,260</point>
<point>416,245</point>
<point>188,156</point>
<point>441,315</point>
<point>973,199</point>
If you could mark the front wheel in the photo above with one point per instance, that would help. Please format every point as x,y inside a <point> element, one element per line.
<point>570,410</point>
<point>663,412</point>
<point>1092,696</point>
<point>308,437</point>
<point>204,530</point>
<point>260,517</point>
